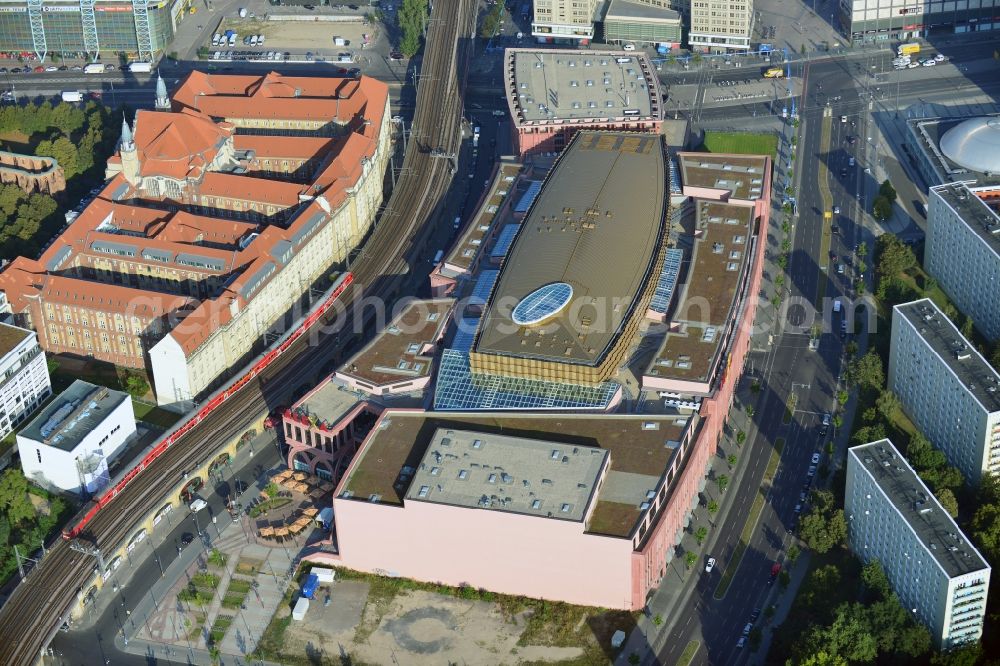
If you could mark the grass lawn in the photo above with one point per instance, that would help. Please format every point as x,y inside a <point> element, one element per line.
<point>237,586</point>
<point>218,631</point>
<point>689,652</point>
<point>743,143</point>
<point>233,600</point>
<point>154,415</point>
<point>248,567</point>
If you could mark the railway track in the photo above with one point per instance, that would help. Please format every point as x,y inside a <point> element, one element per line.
<point>38,606</point>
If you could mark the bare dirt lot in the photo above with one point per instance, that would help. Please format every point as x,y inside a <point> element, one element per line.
<point>302,36</point>
<point>374,620</point>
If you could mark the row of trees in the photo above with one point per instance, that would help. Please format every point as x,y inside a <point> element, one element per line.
<point>492,21</point>
<point>80,139</point>
<point>412,19</point>
<point>882,206</point>
<point>836,623</point>
<point>22,523</point>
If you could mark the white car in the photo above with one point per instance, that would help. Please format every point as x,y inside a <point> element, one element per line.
<point>939,57</point>
<point>928,63</point>
<point>710,565</point>
<point>815,459</point>
<point>836,210</point>
<point>740,643</point>
<point>198,504</point>
<point>629,47</point>
<point>912,65</point>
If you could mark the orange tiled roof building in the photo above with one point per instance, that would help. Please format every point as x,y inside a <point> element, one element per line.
<point>223,206</point>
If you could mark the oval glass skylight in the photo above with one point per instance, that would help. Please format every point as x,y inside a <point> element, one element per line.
<point>542,303</point>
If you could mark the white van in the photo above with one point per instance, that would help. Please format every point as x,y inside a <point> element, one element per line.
<point>836,305</point>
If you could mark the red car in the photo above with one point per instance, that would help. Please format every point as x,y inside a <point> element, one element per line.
<point>38,70</point>
<point>775,570</point>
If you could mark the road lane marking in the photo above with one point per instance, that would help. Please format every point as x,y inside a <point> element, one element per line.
<point>751,522</point>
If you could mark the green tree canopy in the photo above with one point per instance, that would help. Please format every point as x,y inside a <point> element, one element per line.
<point>893,256</point>
<point>881,209</point>
<point>14,497</point>
<point>867,371</point>
<point>887,190</point>
<point>412,18</point>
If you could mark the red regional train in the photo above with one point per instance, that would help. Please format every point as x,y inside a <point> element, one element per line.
<point>252,369</point>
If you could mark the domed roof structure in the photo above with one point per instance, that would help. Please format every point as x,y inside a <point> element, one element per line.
<point>974,144</point>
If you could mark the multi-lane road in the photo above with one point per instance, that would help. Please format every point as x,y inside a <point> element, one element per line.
<point>35,610</point>
<point>826,179</point>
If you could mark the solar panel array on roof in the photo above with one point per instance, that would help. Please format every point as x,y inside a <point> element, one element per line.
<point>675,177</point>
<point>484,285</point>
<point>667,281</point>
<point>465,333</point>
<point>457,391</point>
<point>528,198</point>
<point>504,240</point>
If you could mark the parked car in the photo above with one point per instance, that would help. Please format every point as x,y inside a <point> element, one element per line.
<point>187,538</point>
<point>812,471</point>
<point>798,509</point>
<point>940,57</point>
<point>740,643</point>
<point>755,614</point>
<point>747,628</point>
<point>198,504</point>
<point>836,209</point>
<point>395,55</point>
<point>815,459</point>
<point>629,47</point>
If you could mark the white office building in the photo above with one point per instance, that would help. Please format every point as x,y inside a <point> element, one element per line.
<point>70,444</point>
<point>24,377</point>
<point>946,387</point>
<point>933,568</point>
<point>718,26</point>
<point>962,251</point>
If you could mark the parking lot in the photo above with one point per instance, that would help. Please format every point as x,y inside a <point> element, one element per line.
<point>295,40</point>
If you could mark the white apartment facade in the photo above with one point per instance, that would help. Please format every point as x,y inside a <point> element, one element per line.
<point>886,20</point>
<point>962,251</point>
<point>564,20</point>
<point>180,374</point>
<point>69,445</point>
<point>24,376</point>
<point>949,391</point>
<point>718,26</point>
<point>932,567</point>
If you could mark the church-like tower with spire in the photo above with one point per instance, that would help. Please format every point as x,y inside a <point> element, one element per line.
<point>162,100</point>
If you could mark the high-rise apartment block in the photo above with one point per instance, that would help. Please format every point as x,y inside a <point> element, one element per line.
<point>962,251</point>
<point>720,25</point>
<point>24,377</point>
<point>946,387</point>
<point>892,517</point>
